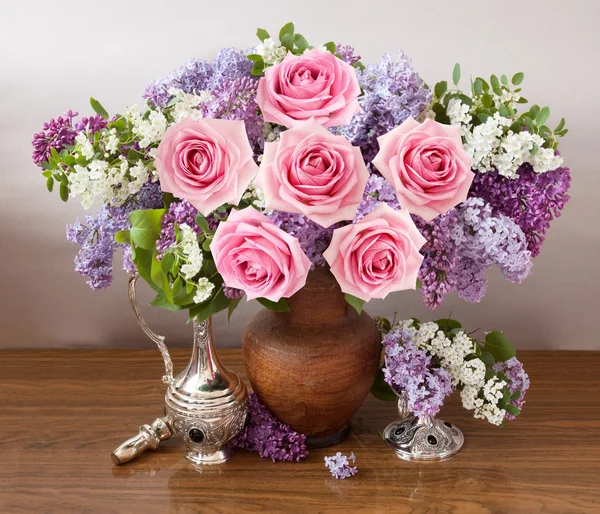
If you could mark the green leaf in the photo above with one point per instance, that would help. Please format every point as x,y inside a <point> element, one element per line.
<point>504,80</point>
<point>515,396</point>
<point>560,125</point>
<point>288,41</point>
<point>161,301</point>
<point>97,106</point>
<point>202,223</point>
<point>440,88</point>
<point>255,57</point>
<point>122,236</point>
<point>258,68</point>
<point>511,409</point>
<point>262,34</point>
<point>50,184</point>
<point>534,110</point>
<point>143,262</point>
<point>206,244</point>
<point>488,358</point>
<point>166,264</point>
<point>419,284</point>
<point>330,46</point>
<point>69,160</point>
<point>518,78</point>
<point>381,390</point>
<point>232,306</point>
<point>487,100</point>
<point>499,346</point>
<point>287,29</point>
<point>477,87</point>
<point>64,192</point>
<point>145,227</point>
<point>522,100</point>
<point>46,165</point>
<point>447,324</point>
<point>300,42</point>
<point>456,74</point>
<point>505,111</point>
<point>495,82</point>
<point>357,303</point>
<point>280,306</point>
<point>168,199</point>
<point>440,114</point>
<point>205,310</point>
<point>543,115</point>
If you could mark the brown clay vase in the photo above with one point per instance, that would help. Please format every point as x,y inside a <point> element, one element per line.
<point>313,366</point>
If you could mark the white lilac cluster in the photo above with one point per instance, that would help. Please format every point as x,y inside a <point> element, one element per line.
<point>111,183</point>
<point>492,145</point>
<point>185,105</point>
<point>189,249</point>
<point>149,127</point>
<point>457,356</point>
<point>255,197</point>
<point>271,51</point>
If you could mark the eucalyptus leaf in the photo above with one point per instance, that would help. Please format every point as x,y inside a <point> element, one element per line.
<point>280,306</point>
<point>287,29</point>
<point>456,74</point>
<point>330,46</point>
<point>97,106</point>
<point>517,78</point>
<point>543,115</point>
<point>262,34</point>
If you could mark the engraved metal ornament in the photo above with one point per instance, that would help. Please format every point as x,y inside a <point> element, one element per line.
<point>414,438</point>
<point>205,404</point>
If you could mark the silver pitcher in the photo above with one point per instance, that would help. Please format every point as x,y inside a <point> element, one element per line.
<point>205,405</point>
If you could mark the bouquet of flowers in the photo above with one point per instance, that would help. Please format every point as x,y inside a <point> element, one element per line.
<point>241,174</point>
<point>428,361</point>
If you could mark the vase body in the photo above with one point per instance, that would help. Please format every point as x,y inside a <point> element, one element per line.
<point>313,366</point>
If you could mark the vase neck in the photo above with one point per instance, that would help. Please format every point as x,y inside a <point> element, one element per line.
<point>320,301</point>
<point>204,372</point>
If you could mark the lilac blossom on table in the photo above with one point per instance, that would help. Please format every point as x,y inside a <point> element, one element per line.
<point>265,435</point>
<point>412,371</point>
<point>532,199</point>
<point>518,380</point>
<point>392,92</point>
<point>339,465</point>
<point>95,233</point>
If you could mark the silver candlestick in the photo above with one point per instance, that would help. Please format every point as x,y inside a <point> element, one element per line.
<point>414,438</point>
<point>205,405</point>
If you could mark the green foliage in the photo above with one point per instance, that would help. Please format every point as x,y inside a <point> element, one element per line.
<point>487,98</point>
<point>98,109</point>
<point>262,34</point>
<point>447,324</point>
<point>357,303</point>
<point>499,346</point>
<point>280,306</point>
<point>145,227</point>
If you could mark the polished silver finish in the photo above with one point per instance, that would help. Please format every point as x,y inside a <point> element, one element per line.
<point>429,438</point>
<point>148,438</point>
<point>205,404</point>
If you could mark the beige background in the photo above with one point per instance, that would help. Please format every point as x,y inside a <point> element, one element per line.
<point>54,55</point>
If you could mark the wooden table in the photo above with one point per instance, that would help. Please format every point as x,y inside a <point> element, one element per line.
<point>63,412</point>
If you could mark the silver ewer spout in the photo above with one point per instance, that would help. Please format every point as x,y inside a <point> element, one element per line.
<point>205,404</point>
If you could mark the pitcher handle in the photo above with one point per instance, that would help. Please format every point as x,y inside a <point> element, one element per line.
<point>158,339</point>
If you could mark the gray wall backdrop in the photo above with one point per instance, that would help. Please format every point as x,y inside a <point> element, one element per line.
<point>55,55</point>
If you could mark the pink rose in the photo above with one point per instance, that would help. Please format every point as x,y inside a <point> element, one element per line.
<point>254,255</point>
<point>312,172</point>
<point>315,84</point>
<point>206,161</point>
<point>427,166</point>
<point>377,255</point>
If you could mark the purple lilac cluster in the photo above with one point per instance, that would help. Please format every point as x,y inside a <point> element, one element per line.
<point>347,54</point>
<point>56,133</point>
<point>229,81</point>
<point>440,258</point>
<point>339,465</point>
<point>412,371</point>
<point>532,199</point>
<point>377,190</point>
<point>265,435</point>
<point>95,233</point>
<point>482,241</point>
<point>518,380</point>
<point>313,238</point>
<point>178,212</point>
<point>392,92</point>
<point>60,132</point>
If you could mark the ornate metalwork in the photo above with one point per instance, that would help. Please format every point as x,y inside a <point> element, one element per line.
<point>414,438</point>
<point>205,404</point>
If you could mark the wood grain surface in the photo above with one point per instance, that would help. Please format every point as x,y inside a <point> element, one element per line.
<point>63,412</point>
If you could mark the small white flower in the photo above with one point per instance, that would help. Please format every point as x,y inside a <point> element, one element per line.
<point>112,141</point>
<point>204,289</point>
<point>84,146</point>
<point>271,51</point>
